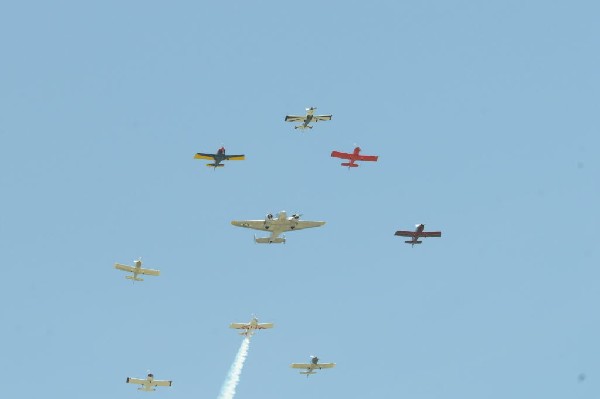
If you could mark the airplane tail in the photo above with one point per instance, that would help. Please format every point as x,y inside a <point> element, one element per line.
<point>302,127</point>
<point>134,278</point>
<point>269,240</point>
<point>307,373</point>
<point>215,165</point>
<point>413,242</point>
<point>350,165</point>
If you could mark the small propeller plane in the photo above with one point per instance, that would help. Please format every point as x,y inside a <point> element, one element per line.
<point>307,119</point>
<point>251,327</point>
<point>312,366</point>
<point>149,384</point>
<point>418,233</point>
<point>137,269</point>
<point>219,157</point>
<point>353,157</point>
<point>277,226</point>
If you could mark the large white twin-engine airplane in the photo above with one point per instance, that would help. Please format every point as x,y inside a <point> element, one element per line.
<point>312,366</point>
<point>308,118</point>
<point>136,269</point>
<point>149,384</point>
<point>277,226</point>
<point>251,327</point>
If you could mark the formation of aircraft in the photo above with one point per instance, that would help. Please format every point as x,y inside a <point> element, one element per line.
<point>276,226</point>
<point>251,327</point>
<point>353,157</point>
<point>312,366</point>
<point>137,269</point>
<point>219,157</point>
<point>415,235</point>
<point>149,383</point>
<point>307,119</point>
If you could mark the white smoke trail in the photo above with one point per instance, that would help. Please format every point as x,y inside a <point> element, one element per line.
<point>233,377</point>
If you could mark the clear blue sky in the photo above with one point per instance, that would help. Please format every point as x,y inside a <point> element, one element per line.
<point>485,118</point>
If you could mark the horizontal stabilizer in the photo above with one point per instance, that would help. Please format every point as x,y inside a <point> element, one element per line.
<point>134,278</point>
<point>350,165</point>
<point>413,242</point>
<point>269,240</point>
<point>212,165</point>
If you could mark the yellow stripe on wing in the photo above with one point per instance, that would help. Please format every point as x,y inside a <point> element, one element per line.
<point>237,158</point>
<point>204,156</point>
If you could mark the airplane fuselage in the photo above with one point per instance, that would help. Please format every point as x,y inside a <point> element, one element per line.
<point>419,229</point>
<point>354,157</point>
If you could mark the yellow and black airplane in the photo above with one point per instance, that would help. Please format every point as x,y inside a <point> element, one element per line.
<point>219,157</point>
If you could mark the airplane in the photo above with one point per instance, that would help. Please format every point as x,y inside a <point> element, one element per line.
<point>276,225</point>
<point>312,366</point>
<point>308,118</point>
<point>251,327</point>
<point>353,157</point>
<point>418,233</point>
<point>218,158</point>
<point>149,383</point>
<point>137,269</point>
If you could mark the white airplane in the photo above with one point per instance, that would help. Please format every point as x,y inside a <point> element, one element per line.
<point>136,269</point>
<point>312,366</point>
<point>251,327</point>
<point>308,118</point>
<point>276,225</point>
<point>149,383</point>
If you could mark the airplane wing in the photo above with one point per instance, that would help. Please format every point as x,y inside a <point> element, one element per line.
<point>250,224</point>
<point>124,267</point>
<point>149,272</point>
<point>430,234</point>
<point>295,118</point>
<point>301,365</point>
<point>162,383</point>
<point>136,381</point>
<point>210,157</point>
<point>235,157</point>
<point>240,326</point>
<point>343,155</point>
<point>325,365</point>
<point>246,326</point>
<point>405,233</point>
<point>304,224</point>
<point>318,118</point>
<point>372,158</point>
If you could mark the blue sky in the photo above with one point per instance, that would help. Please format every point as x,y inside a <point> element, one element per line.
<point>485,120</point>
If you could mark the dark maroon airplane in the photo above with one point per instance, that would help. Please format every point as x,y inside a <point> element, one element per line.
<point>414,235</point>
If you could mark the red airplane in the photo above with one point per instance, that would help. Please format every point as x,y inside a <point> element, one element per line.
<point>418,233</point>
<point>353,157</point>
